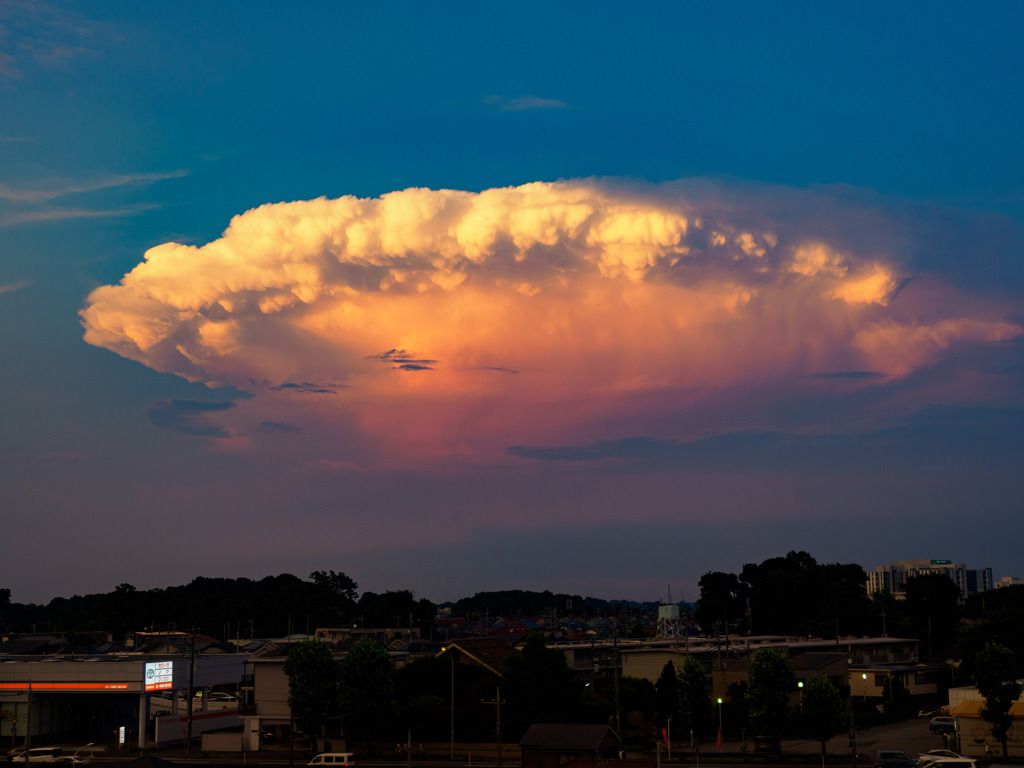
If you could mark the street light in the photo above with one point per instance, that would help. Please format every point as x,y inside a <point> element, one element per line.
<point>91,743</point>
<point>451,657</point>
<point>800,686</point>
<point>719,745</point>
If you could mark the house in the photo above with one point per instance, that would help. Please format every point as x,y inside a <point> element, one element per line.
<point>965,703</point>
<point>550,745</point>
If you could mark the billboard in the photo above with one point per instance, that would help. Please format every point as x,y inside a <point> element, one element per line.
<point>159,675</point>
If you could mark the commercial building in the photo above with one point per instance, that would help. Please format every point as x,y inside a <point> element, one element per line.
<point>136,700</point>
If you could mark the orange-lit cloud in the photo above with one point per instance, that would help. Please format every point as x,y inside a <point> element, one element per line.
<point>437,323</point>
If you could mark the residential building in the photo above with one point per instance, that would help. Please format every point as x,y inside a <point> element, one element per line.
<point>893,577</point>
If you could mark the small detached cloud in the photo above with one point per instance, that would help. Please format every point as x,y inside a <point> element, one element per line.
<point>9,287</point>
<point>523,103</point>
<point>306,388</point>
<point>404,361</point>
<point>273,427</point>
<point>65,214</point>
<point>185,417</point>
<point>623,309</point>
<point>42,193</point>
<point>32,204</point>
<point>856,375</point>
<point>46,35</point>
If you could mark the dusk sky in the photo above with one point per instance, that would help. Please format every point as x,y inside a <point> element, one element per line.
<point>451,297</point>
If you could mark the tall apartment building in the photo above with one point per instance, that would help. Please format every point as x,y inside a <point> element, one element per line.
<point>893,577</point>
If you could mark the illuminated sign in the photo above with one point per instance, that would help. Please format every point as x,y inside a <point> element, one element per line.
<point>942,562</point>
<point>159,675</point>
<point>65,686</point>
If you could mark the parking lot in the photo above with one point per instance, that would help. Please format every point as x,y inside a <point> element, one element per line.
<point>911,736</point>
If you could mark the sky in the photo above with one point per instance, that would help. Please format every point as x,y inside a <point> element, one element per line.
<point>456,297</point>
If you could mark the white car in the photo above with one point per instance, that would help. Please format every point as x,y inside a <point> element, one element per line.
<point>952,762</point>
<point>926,758</point>
<point>40,755</point>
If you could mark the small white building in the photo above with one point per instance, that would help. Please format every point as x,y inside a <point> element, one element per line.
<point>965,704</point>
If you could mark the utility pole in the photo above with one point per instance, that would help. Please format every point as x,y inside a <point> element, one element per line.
<point>191,678</point>
<point>497,705</point>
<point>28,721</point>
<point>615,662</point>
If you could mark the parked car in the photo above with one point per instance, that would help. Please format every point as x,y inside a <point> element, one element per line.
<point>215,696</point>
<point>333,759</point>
<point>926,758</point>
<point>15,753</point>
<point>40,755</point>
<point>952,762</point>
<point>942,724</point>
<point>893,758</point>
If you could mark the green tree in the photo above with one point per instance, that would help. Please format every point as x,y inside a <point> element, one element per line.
<point>995,616</point>
<point>338,583</point>
<point>898,700</point>
<point>695,710</point>
<point>539,686</point>
<point>367,691</point>
<point>721,600</point>
<point>666,696</point>
<point>313,686</point>
<point>769,684</point>
<point>931,604</point>
<point>995,673</point>
<point>821,710</point>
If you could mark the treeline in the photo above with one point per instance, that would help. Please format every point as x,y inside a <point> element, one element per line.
<point>518,603</point>
<point>797,595</point>
<point>278,605</point>
<point>221,608</point>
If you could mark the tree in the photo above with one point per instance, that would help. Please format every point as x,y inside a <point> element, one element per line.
<point>898,699</point>
<point>539,685</point>
<point>995,616</point>
<point>995,672</point>
<point>313,686</point>
<point>721,600</point>
<point>666,696</point>
<point>931,604</point>
<point>695,711</point>
<point>338,583</point>
<point>367,690</point>
<point>769,684</point>
<point>821,710</point>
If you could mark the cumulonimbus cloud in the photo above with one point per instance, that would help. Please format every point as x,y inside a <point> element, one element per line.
<point>610,302</point>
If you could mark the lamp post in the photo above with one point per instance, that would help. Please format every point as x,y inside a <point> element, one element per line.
<point>800,687</point>
<point>719,745</point>
<point>451,658</point>
<point>91,743</point>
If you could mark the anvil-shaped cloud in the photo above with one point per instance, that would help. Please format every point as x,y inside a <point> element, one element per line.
<point>441,322</point>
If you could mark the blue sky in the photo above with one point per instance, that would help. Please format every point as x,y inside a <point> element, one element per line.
<point>850,144</point>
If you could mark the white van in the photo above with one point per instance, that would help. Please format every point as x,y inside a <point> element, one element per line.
<point>40,755</point>
<point>334,759</point>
